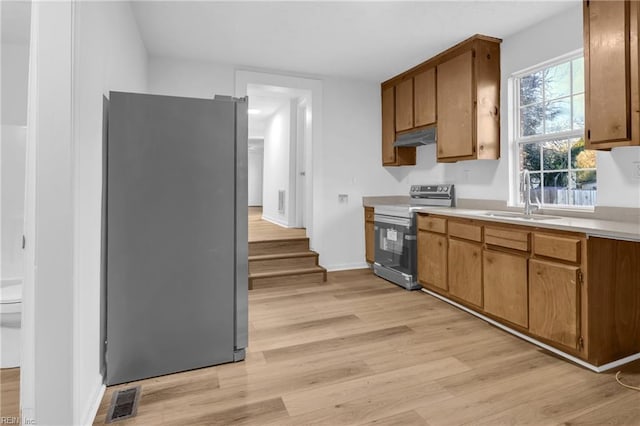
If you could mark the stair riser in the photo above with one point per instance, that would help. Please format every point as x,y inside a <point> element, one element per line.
<point>277,247</point>
<point>289,280</point>
<point>269,265</point>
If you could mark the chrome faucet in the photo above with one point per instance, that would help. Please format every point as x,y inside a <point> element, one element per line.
<point>525,190</point>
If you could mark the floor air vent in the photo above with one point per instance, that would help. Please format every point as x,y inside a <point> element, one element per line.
<point>124,404</point>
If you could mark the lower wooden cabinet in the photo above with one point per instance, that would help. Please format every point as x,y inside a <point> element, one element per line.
<point>554,302</point>
<point>432,263</point>
<point>465,271</point>
<point>505,286</point>
<point>576,293</point>
<point>369,235</point>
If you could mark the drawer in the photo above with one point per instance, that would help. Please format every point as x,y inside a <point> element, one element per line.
<point>433,224</point>
<point>368,214</point>
<point>509,238</point>
<point>558,247</point>
<point>465,231</point>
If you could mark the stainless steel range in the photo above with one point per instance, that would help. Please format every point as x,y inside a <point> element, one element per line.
<point>395,230</point>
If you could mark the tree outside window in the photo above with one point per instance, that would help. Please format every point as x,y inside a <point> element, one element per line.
<point>549,106</point>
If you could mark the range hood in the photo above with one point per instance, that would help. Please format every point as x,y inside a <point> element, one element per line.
<point>417,138</point>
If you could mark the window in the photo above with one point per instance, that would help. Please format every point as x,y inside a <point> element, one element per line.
<point>549,134</point>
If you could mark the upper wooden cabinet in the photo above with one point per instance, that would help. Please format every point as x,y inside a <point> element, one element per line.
<point>392,156</point>
<point>612,101</point>
<point>468,97</point>
<point>459,91</point>
<point>388,126</point>
<point>424,97</point>
<point>404,105</point>
<point>455,101</point>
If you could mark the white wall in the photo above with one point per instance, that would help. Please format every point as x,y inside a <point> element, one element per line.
<point>46,390</point>
<point>83,50</point>
<point>189,78</point>
<point>255,170</point>
<point>349,153</point>
<point>617,185</point>
<point>350,164</point>
<point>109,56</point>
<point>277,140</point>
<point>346,150</point>
<point>489,179</point>
<point>551,38</point>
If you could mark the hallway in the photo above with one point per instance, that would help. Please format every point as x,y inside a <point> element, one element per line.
<point>260,230</point>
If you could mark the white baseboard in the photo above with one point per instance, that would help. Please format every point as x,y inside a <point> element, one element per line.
<point>98,394</point>
<point>596,368</point>
<point>346,266</point>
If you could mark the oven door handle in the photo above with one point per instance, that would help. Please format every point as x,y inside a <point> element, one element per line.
<point>392,220</point>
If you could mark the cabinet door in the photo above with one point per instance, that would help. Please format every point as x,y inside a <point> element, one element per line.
<point>388,126</point>
<point>370,241</point>
<point>505,286</point>
<point>404,105</point>
<point>455,98</point>
<point>424,96</point>
<point>465,271</point>
<point>554,302</point>
<point>608,74</point>
<point>432,259</point>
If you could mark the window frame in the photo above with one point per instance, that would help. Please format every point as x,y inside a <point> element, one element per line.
<point>515,140</point>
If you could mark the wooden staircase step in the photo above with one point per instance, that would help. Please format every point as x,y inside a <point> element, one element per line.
<point>282,261</point>
<point>287,277</point>
<point>284,245</point>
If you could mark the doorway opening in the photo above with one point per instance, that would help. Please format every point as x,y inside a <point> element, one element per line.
<point>15,51</point>
<point>284,122</point>
<point>279,132</point>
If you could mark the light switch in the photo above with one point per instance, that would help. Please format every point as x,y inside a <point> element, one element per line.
<point>343,198</point>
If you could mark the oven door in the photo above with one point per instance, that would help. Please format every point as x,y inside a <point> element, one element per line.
<point>395,243</point>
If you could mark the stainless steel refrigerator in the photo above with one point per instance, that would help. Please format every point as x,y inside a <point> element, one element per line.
<point>176,234</point>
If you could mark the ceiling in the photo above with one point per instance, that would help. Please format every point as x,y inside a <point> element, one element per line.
<point>363,40</point>
<point>264,101</point>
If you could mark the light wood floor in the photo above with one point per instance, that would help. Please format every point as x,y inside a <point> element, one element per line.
<point>359,350</point>
<point>260,230</point>
<point>9,393</point>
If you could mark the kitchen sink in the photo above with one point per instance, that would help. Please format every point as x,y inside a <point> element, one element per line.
<point>513,215</point>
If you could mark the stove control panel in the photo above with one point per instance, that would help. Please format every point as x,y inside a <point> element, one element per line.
<point>432,195</point>
<point>426,190</point>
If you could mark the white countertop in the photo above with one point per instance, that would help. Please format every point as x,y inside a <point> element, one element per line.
<point>591,227</point>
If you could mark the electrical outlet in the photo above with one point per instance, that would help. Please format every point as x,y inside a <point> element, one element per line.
<point>343,198</point>
<point>636,169</point>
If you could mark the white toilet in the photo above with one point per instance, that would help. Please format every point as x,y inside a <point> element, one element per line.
<point>10,322</point>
